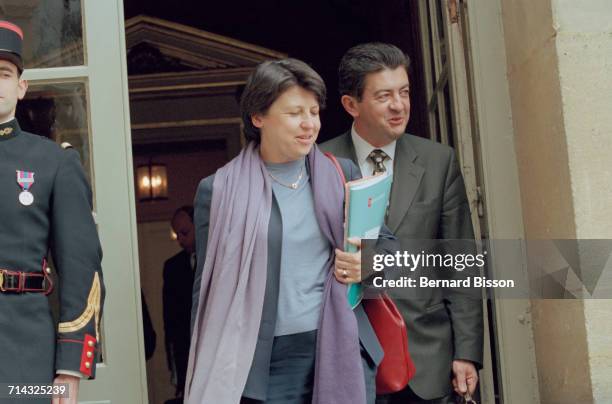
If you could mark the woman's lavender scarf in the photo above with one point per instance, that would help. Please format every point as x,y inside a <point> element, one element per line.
<point>233,286</point>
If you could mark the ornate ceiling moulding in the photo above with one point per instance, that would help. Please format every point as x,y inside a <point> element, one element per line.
<point>160,46</point>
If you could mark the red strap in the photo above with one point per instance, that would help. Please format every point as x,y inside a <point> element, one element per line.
<point>12,27</point>
<point>334,161</point>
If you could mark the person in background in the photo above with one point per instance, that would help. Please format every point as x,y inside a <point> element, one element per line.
<point>150,337</point>
<point>178,284</point>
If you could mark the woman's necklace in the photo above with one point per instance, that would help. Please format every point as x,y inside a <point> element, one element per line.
<point>293,185</point>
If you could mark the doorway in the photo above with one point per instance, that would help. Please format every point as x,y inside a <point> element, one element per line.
<point>318,32</point>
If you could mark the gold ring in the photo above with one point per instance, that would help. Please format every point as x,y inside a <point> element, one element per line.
<point>344,273</point>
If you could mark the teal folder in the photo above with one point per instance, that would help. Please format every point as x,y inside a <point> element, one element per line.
<point>366,205</point>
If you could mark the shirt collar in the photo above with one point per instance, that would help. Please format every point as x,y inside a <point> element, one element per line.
<point>9,130</point>
<point>363,148</point>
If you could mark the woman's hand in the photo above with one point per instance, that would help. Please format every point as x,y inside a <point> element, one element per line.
<point>348,265</point>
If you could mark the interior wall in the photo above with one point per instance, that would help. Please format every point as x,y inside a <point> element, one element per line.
<point>185,169</point>
<point>186,165</point>
<point>154,247</point>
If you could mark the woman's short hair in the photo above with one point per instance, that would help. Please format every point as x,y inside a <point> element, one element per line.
<point>268,81</point>
<point>361,60</point>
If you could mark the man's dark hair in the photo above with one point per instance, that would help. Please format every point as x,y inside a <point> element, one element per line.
<point>361,60</point>
<point>269,80</point>
<point>188,209</point>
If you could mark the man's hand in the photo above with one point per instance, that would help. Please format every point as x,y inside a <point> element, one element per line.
<point>348,265</point>
<point>465,377</point>
<point>73,389</point>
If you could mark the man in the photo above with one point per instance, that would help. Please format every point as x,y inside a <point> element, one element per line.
<point>45,206</point>
<point>178,285</point>
<point>428,201</point>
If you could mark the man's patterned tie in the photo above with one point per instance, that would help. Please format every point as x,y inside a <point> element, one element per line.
<point>378,157</point>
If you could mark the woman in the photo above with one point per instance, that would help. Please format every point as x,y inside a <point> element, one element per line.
<point>271,319</point>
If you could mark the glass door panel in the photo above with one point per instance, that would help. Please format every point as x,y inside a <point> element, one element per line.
<point>59,112</point>
<point>53,31</point>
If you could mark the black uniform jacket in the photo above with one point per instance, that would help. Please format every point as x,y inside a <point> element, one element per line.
<point>58,221</point>
<point>177,290</point>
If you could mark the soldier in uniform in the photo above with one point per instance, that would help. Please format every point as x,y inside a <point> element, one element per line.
<point>45,212</point>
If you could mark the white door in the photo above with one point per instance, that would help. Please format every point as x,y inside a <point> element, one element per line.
<point>447,90</point>
<point>460,41</point>
<point>449,104</point>
<point>75,63</point>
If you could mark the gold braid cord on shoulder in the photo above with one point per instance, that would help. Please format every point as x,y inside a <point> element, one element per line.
<point>92,309</point>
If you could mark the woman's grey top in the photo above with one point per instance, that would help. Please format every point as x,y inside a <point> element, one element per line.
<point>305,251</point>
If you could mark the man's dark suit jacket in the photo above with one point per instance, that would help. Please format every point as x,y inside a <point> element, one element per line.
<point>178,284</point>
<point>428,201</point>
<point>257,382</point>
<point>150,337</point>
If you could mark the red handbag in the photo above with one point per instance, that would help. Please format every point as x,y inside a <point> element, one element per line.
<point>397,367</point>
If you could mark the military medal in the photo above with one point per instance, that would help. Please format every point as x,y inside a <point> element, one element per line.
<point>25,180</point>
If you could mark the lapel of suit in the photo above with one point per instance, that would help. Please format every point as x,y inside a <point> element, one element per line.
<point>346,149</point>
<point>406,180</point>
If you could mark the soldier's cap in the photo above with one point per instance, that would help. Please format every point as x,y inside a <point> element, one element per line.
<point>11,43</point>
